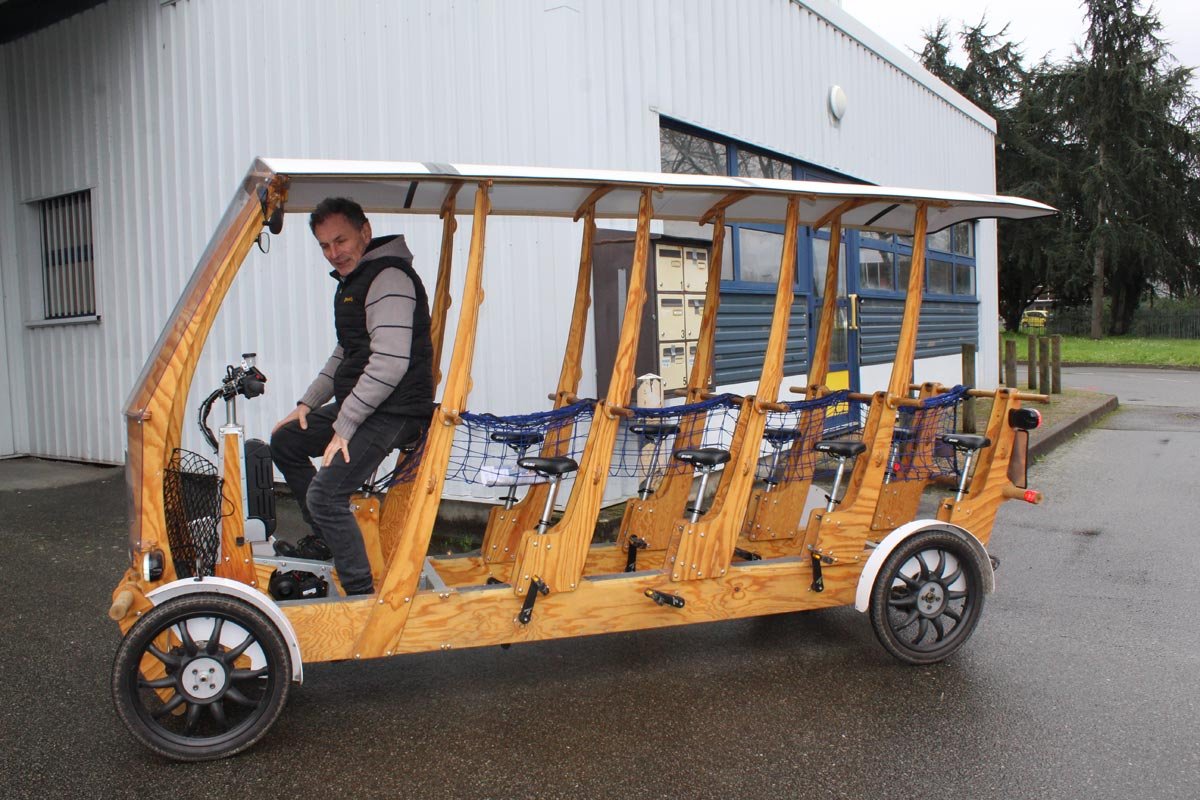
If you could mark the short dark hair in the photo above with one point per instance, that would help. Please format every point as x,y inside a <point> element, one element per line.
<point>337,205</point>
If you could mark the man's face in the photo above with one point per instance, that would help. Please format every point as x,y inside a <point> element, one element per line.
<point>341,243</point>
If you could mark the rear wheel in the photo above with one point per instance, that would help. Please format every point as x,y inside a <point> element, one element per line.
<point>201,677</point>
<point>927,598</point>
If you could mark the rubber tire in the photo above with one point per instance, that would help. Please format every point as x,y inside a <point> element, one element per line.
<point>967,558</point>
<point>127,663</point>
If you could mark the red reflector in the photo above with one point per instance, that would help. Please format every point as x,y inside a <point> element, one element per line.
<point>1030,496</point>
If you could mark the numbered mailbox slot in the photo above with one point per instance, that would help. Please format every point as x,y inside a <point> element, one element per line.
<point>695,270</point>
<point>671,317</point>
<point>672,364</point>
<point>693,314</point>
<point>668,268</point>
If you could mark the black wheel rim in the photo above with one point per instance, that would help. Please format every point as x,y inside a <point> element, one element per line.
<point>932,601</point>
<point>203,679</point>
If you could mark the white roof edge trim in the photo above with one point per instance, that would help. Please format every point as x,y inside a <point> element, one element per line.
<point>547,192</point>
<point>853,27</point>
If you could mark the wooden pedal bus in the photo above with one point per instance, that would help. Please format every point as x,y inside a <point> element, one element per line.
<point>217,627</point>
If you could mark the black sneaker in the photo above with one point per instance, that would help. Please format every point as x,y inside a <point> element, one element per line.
<point>309,547</point>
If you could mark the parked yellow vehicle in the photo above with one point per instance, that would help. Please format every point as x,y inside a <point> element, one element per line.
<point>1035,318</point>
<point>209,651</point>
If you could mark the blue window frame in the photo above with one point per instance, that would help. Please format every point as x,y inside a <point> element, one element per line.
<point>878,264</point>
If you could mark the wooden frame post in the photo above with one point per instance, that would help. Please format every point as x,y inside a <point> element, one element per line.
<point>393,602</point>
<point>505,526</point>
<point>558,556</point>
<point>777,514</point>
<point>704,549</point>
<point>396,503</point>
<point>156,410</point>
<point>653,519</point>
<point>839,536</point>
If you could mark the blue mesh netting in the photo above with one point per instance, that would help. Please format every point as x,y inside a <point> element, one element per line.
<point>918,453</point>
<point>486,447</point>
<point>786,453</point>
<point>646,440</point>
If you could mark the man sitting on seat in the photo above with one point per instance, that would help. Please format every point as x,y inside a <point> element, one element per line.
<point>380,381</point>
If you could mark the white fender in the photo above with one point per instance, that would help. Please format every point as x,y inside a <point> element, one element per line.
<point>862,597</point>
<point>241,591</point>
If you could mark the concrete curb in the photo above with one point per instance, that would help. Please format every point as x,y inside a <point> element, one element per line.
<point>1061,433</point>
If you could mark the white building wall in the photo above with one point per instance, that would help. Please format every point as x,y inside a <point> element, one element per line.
<point>160,109</point>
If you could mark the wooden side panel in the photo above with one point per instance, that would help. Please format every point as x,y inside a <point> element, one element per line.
<point>977,510</point>
<point>393,511</point>
<point>454,619</point>
<point>366,514</point>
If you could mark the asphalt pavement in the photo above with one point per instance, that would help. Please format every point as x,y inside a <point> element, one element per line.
<point>1081,682</point>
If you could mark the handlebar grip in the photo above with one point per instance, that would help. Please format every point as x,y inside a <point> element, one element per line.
<point>120,606</point>
<point>252,387</point>
<point>1011,492</point>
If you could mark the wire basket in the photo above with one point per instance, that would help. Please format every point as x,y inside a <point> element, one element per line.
<point>192,504</point>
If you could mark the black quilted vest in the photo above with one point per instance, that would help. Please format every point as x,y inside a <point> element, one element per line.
<point>414,394</point>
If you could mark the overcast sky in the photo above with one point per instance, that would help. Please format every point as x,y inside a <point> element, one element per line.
<point>1044,26</point>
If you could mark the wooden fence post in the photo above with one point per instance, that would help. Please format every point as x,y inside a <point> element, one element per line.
<point>1032,360</point>
<point>1044,366</point>
<point>1010,363</point>
<point>968,379</point>
<point>1056,364</point>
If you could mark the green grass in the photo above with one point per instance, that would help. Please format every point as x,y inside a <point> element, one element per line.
<point>1123,350</point>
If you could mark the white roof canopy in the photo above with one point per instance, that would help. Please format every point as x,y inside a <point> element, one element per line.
<point>421,188</point>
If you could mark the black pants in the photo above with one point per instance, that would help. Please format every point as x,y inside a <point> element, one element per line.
<point>324,496</point>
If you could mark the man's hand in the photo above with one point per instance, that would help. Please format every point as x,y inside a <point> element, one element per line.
<point>300,413</point>
<point>336,444</point>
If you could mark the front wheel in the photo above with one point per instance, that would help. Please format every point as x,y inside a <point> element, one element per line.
<point>201,677</point>
<point>927,598</point>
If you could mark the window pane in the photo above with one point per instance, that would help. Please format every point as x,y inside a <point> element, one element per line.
<point>875,270</point>
<point>756,165</point>
<point>820,251</point>
<point>684,153</point>
<point>964,239</point>
<point>903,268</point>
<point>727,255</point>
<point>964,279</point>
<point>839,343</point>
<point>883,237</point>
<point>68,277</point>
<point>939,275</point>
<point>758,254</point>
<point>939,241</point>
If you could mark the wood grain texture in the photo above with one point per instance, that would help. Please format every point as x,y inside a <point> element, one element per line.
<point>505,526</point>
<point>989,485</point>
<point>558,555</point>
<point>652,519</point>
<point>157,406</point>
<point>366,509</point>
<point>387,618</point>
<point>441,292</point>
<point>705,548</point>
<point>457,619</point>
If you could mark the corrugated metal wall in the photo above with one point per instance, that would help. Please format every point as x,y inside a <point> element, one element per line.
<point>160,109</point>
<point>942,328</point>
<point>743,328</point>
